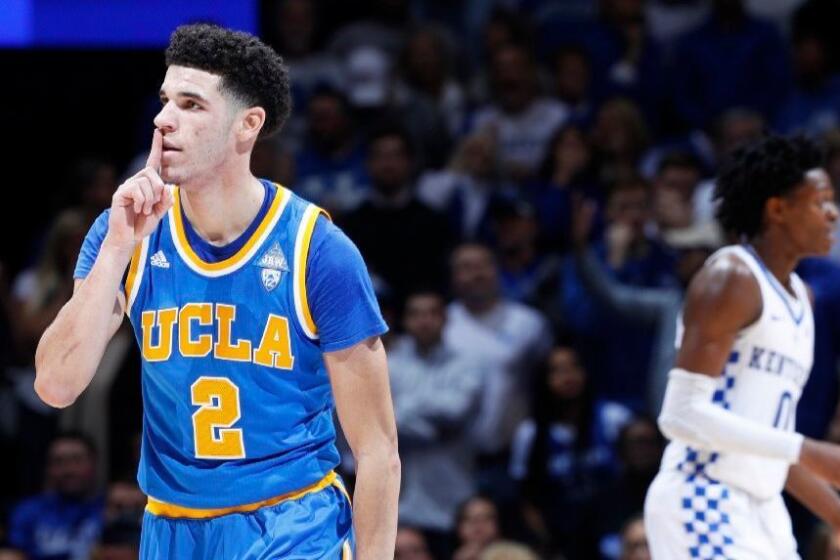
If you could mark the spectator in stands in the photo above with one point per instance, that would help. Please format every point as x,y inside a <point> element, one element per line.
<point>657,307</point>
<point>64,522</point>
<point>618,355</point>
<point>508,550</point>
<point>427,65</point>
<point>467,190</point>
<point>119,541</point>
<point>813,104</point>
<point>501,28</point>
<point>330,166</point>
<point>523,268</point>
<point>510,340</point>
<point>627,60</point>
<point>634,540</point>
<point>567,170</point>
<point>732,130</point>
<point>620,138</point>
<point>95,181</point>
<point>124,502</point>
<point>565,452</point>
<point>478,527</point>
<point>411,545</point>
<point>38,294</point>
<point>639,449</point>
<point>404,241</point>
<point>674,187</point>
<point>436,391</point>
<point>523,120</point>
<point>573,83</point>
<point>730,60</point>
<point>373,94</point>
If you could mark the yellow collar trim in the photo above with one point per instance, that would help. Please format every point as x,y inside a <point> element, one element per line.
<point>277,206</point>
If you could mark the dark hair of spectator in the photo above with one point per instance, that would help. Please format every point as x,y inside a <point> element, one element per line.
<point>250,71</point>
<point>77,436</point>
<point>682,160</point>
<point>547,165</point>
<point>772,166</point>
<point>547,410</point>
<point>392,130</point>
<point>519,29</point>
<point>330,92</point>
<point>461,511</point>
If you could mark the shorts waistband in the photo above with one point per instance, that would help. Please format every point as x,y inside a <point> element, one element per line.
<point>164,509</point>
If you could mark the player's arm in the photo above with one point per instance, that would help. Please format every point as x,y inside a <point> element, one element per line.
<point>71,348</point>
<point>359,377</point>
<point>722,299</point>
<point>815,494</point>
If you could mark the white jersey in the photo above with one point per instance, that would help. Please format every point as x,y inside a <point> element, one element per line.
<point>763,380</point>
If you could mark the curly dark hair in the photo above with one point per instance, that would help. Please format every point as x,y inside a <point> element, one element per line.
<point>251,71</point>
<point>771,166</point>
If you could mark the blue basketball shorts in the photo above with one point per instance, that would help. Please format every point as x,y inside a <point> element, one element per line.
<point>316,524</point>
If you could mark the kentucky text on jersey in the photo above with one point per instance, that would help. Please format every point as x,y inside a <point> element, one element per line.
<point>273,349</point>
<point>770,361</point>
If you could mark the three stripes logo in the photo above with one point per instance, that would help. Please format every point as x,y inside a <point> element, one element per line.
<point>159,260</point>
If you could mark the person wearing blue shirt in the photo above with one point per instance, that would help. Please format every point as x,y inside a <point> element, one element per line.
<point>64,522</point>
<point>255,317</point>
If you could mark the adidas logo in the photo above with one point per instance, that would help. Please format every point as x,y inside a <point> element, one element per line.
<point>159,260</point>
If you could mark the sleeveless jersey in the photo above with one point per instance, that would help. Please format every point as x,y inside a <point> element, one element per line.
<point>237,401</point>
<point>763,380</point>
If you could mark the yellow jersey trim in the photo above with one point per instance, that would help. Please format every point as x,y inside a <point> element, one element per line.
<point>302,243</point>
<point>243,254</point>
<point>164,509</point>
<point>135,273</point>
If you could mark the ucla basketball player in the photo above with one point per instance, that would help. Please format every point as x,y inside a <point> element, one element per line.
<point>255,316</point>
<point>745,353</point>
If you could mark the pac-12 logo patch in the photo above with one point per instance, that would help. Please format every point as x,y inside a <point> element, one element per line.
<point>270,278</point>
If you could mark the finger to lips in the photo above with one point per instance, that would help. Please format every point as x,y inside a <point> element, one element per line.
<point>153,160</point>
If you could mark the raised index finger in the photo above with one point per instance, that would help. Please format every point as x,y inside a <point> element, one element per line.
<point>154,153</point>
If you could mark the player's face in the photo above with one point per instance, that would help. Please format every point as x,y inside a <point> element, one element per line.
<point>812,214</point>
<point>196,121</point>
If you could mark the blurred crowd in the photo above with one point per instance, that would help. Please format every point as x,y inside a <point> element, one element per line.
<point>531,185</point>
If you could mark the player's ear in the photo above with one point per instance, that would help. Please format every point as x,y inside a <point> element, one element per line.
<point>250,123</point>
<point>774,209</point>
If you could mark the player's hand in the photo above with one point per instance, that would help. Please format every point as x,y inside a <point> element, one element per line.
<point>139,204</point>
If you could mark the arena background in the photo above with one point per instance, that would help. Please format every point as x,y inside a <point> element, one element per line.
<point>577,140</point>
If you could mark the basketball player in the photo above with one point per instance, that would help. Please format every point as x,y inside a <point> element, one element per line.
<point>745,354</point>
<point>253,313</point>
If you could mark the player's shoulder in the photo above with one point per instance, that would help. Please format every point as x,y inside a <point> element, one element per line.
<point>726,271</point>
<point>725,286</point>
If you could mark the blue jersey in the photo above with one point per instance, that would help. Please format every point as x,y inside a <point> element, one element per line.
<point>237,401</point>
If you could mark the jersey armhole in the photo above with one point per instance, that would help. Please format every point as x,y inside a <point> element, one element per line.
<point>303,241</point>
<point>135,274</point>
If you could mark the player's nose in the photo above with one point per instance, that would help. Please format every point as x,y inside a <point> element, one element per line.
<point>165,119</point>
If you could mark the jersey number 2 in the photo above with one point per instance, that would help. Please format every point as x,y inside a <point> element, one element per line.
<point>218,399</point>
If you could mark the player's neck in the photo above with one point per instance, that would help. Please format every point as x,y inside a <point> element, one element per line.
<point>779,258</point>
<point>223,207</point>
